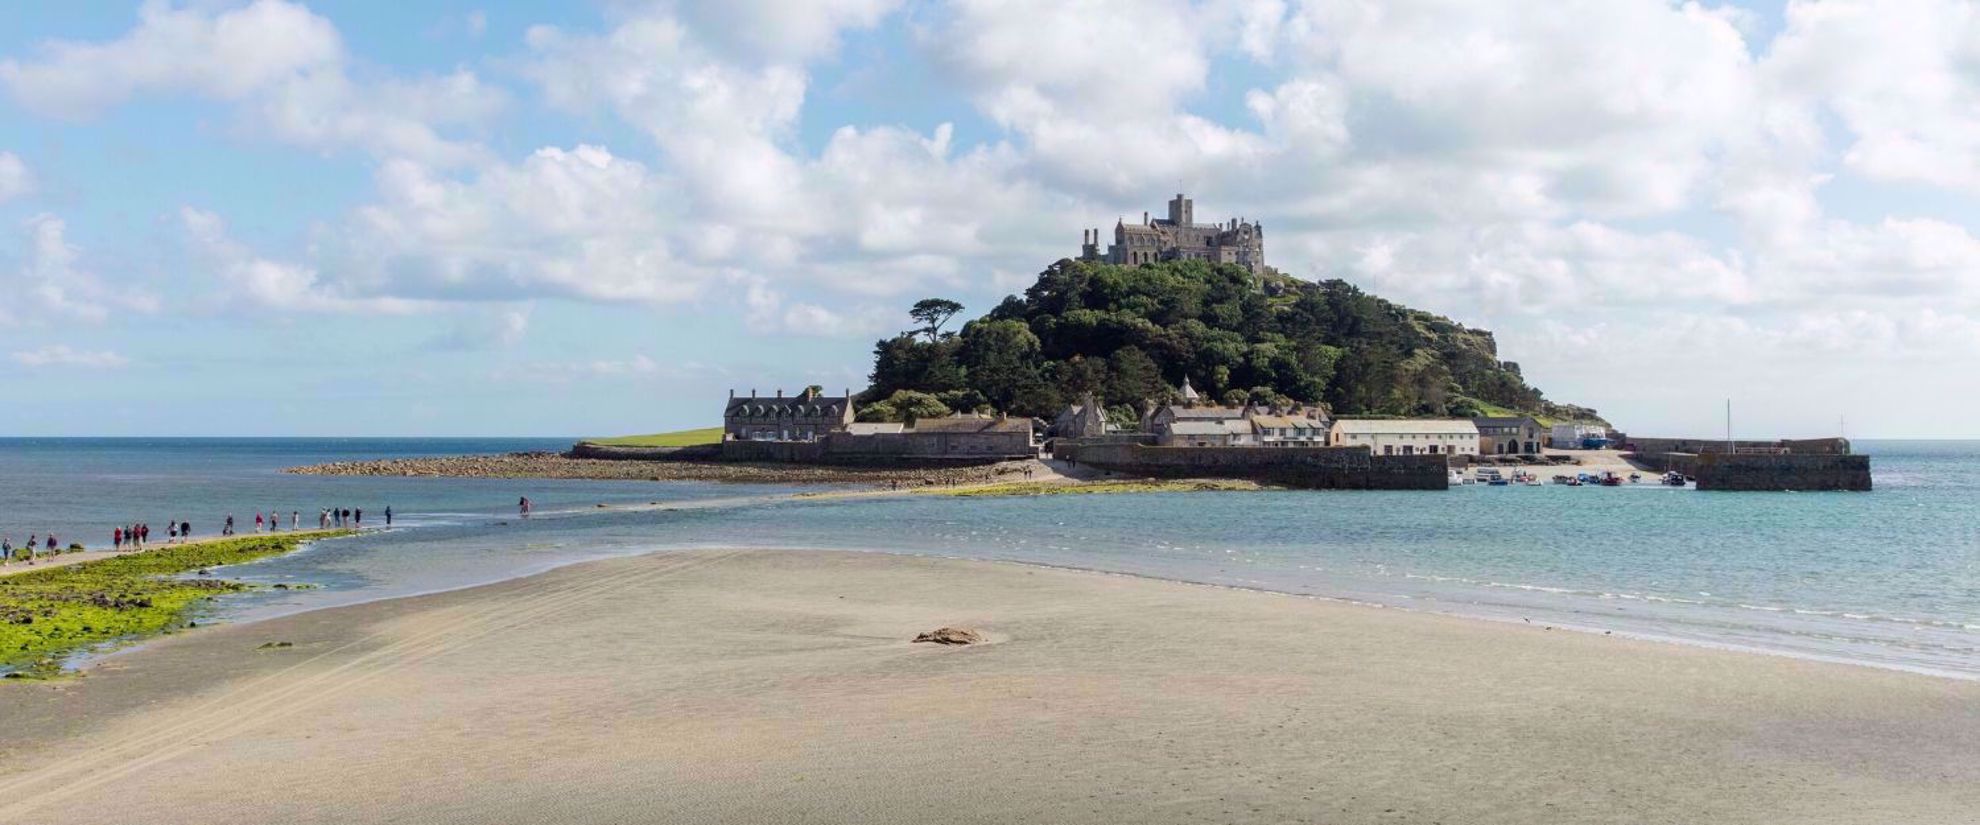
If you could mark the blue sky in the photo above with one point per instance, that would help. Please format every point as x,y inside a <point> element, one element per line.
<point>276,218</point>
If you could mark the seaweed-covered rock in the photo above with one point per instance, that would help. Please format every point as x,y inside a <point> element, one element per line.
<point>951,636</point>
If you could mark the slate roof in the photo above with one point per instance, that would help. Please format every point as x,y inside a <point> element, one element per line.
<point>1505,421</point>
<point>971,424</point>
<point>795,406</point>
<point>1383,426</point>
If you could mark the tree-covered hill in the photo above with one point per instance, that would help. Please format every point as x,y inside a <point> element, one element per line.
<point>1131,333</point>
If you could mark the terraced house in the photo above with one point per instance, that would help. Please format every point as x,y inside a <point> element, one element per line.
<point>807,416</point>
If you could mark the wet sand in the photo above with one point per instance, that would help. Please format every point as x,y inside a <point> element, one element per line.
<point>781,687</point>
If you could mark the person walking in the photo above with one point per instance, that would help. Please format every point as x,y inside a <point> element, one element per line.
<point>388,515</point>
<point>358,520</point>
<point>144,535</point>
<point>295,519</point>
<point>257,523</point>
<point>117,539</point>
<point>228,528</point>
<point>6,551</point>
<point>185,530</point>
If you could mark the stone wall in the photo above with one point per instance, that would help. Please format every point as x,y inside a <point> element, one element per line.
<point>1327,468</point>
<point>698,452</point>
<point>887,449</point>
<point>1793,471</point>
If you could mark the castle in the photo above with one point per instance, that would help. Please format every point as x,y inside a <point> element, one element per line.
<point>1179,238</point>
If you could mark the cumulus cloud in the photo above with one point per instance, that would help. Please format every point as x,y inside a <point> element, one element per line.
<point>62,355</point>
<point>256,282</point>
<point>285,66</point>
<point>15,179</point>
<point>53,283</point>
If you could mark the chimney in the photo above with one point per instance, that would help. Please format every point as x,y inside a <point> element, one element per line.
<point>752,392</point>
<point>780,392</point>
<point>1144,217</point>
<point>732,393</point>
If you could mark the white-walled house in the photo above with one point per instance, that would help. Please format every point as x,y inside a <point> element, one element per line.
<point>1406,436</point>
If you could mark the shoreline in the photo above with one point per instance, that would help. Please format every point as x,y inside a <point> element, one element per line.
<point>734,640</point>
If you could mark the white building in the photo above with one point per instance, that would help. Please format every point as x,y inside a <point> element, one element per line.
<point>1569,435</point>
<point>1408,436</point>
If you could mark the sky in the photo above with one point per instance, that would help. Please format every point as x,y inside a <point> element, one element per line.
<point>478,218</point>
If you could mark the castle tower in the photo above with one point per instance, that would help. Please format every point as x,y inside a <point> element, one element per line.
<point>1182,211</point>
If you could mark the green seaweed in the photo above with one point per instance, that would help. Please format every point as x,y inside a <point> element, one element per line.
<point>1047,488</point>
<point>45,615</point>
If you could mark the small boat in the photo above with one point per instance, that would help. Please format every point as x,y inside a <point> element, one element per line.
<point>1611,480</point>
<point>1673,480</point>
<point>1563,479</point>
<point>1456,478</point>
<point>1634,478</point>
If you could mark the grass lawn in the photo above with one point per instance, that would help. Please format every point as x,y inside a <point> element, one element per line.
<point>678,438</point>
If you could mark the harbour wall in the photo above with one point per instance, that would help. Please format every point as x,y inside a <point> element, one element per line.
<point>1319,468</point>
<point>1769,473</point>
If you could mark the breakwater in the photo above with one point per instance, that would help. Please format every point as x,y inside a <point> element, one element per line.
<point>1788,471</point>
<point>1316,468</point>
<point>1788,465</point>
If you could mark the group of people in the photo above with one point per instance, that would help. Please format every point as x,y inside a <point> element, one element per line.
<point>28,552</point>
<point>326,518</point>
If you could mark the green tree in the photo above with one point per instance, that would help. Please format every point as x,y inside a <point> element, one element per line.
<point>933,313</point>
<point>1000,360</point>
<point>1133,377</point>
<point>904,406</point>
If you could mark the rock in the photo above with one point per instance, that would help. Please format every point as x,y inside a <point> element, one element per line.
<point>268,645</point>
<point>951,636</point>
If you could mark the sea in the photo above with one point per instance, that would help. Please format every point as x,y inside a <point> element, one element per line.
<point>1889,578</point>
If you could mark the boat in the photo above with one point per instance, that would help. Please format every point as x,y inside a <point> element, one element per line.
<point>1634,478</point>
<point>1456,478</point>
<point>1611,480</point>
<point>1563,479</point>
<point>1673,480</point>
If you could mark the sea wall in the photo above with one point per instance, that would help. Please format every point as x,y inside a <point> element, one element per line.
<point>1792,471</point>
<point>1325,468</point>
<point>884,450</point>
<point>605,452</point>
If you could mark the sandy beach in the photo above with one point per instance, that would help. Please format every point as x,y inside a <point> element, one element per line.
<point>768,686</point>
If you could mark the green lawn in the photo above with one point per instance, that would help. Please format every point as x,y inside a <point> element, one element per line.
<point>678,438</point>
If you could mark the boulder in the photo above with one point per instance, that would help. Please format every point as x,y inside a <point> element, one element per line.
<point>951,636</point>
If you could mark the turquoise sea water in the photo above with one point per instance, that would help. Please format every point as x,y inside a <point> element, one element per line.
<point>1890,578</point>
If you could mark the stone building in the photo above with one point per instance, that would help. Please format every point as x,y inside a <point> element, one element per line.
<point>1407,436</point>
<point>1179,237</point>
<point>1193,424</point>
<point>1086,419</point>
<point>1509,435</point>
<point>807,416</point>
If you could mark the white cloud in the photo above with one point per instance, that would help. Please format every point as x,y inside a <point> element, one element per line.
<point>285,66</point>
<point>62,355</point>
<point>52,281</point>
<point>1899,75</point>
<point>15,179</point>
<point>229,55</point>
<point>580,223</point>
<point>255,281</point>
